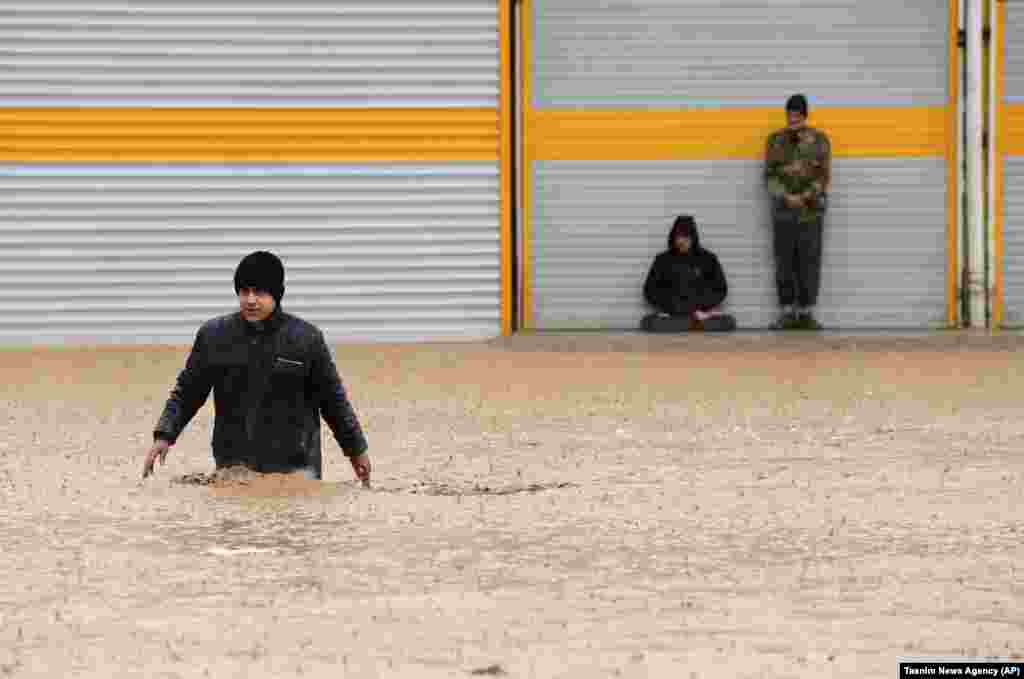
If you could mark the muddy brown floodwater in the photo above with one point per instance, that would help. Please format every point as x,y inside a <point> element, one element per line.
<point>543,506</point>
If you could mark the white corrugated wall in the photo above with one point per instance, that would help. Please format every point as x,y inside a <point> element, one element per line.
<point>651,53</point>
<point>1013,169</point>
<point>322,52</point>
<point>146,146</point>
<point>141,253</point>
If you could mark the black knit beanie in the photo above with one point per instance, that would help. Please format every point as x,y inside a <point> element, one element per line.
<point>798,103</point>
<point>261,270</point>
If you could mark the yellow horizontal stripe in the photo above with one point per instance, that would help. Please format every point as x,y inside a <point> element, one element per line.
<point>247,135</point>
<point>1011,129</point>
<point>738,134</point>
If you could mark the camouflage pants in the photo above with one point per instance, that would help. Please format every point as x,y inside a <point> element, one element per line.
<point>797,259</point>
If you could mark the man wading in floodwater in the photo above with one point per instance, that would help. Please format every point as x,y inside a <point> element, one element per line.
<point>272,377</point>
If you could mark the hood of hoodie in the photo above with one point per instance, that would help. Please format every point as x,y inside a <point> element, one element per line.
<point>684,225</point>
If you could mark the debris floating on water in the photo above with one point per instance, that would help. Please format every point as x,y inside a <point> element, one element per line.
<point>225,475</point>
<point>478,489</point>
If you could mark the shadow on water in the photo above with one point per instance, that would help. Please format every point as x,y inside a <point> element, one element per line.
<point>262,513</point>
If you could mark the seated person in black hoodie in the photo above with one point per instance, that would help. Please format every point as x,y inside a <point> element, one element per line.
<point>686,285</point>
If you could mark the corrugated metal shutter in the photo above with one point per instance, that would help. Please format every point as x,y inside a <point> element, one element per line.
<point>604,221</point>
<point>139,253</point>
<point>192,52</point>
<point>595,226</point>
<point>143,252</point>
<point>1013,171</point>
<point>1013,241</point>
<point>661,52</point>
<point>1013,64</point>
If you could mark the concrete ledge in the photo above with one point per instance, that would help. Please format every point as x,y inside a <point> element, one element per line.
<point>765,341</point>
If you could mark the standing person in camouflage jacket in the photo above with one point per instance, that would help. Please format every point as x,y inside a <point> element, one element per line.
<point>797,172</point>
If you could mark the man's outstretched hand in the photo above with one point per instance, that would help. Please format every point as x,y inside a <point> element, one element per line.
<point>159,450</point>
<point>361,466</point>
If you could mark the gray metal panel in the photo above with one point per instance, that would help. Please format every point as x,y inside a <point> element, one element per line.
<point>317,52</point>
<point>147,253</point>
<point>1013,174</point>
<point>667,53</point>
<point>1013,77</point>
<point>598,225</point>
<point>1013,241</point>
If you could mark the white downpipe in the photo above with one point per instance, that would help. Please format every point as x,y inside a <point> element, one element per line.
<point>975,195</point>
<point>519,104</point>
<point>961,179</point>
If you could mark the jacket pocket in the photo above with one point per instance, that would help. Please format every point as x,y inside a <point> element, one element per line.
<point>287,367</point>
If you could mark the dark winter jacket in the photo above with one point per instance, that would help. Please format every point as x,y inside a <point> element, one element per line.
<point>679,284</point>
<point>271,384</point>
